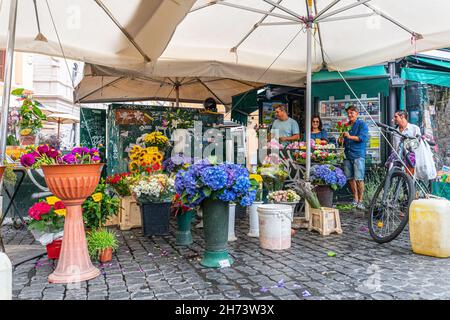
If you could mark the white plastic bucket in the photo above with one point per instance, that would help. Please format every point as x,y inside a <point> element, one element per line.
<point>275,226</point>
<point>254,221</point>
<point>5,277</point>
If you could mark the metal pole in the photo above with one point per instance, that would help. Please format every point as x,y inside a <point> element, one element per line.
<point>8,77</point>
<point>177,92</point>
<point>308,98</point>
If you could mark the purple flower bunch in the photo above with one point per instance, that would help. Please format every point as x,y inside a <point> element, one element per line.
<point>176,163</point>
<point>82,155</point>
<point>327,174</point>
<point>204,179</point>
<point>45,155</point>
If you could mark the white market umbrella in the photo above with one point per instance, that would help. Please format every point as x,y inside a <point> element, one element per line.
<point>282,41</point>
<point>129,34</point>
<point>103,84</point>
<point>62,118</point>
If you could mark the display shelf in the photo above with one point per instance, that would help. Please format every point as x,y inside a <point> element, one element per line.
<point>332,111</point>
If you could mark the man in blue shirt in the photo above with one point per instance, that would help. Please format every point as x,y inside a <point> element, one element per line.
<point>355,154</point>
<point>288,129</point>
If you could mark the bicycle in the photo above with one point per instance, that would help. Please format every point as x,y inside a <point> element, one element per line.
<point>389,208</point>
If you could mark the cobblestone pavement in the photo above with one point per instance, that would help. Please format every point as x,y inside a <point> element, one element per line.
<point>154,268</point>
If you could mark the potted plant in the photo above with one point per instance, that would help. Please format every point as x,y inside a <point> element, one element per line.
<point>184,216</point>
<point>154,193</point>
<point>327,178</point>
<point>99,207</point>
<point>101,244</point>
<point>212,186</point>
<point>47,224</point>
<point>30,115</point>
<point>72,178</point>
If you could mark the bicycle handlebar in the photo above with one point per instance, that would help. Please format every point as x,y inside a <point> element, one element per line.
<point>392,129</point>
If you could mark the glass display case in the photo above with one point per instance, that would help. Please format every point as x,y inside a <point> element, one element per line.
<point>331,111</point>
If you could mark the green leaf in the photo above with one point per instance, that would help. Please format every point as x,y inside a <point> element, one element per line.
<point>207,192</point>
<point>17,92</point>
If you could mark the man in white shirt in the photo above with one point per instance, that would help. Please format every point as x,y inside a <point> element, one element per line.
<point>406,128</point>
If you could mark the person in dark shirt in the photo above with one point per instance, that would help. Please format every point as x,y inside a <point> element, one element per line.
<point>355,155</point>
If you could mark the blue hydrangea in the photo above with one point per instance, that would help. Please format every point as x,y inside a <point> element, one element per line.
<point>227,195</point>
<point>214,177</point>
<point>226,182</point>
<point>328,175</point>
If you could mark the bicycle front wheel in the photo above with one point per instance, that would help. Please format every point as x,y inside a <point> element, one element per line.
<point>389,209</point>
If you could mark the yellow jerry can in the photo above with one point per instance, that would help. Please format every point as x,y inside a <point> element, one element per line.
<point>429,227</point>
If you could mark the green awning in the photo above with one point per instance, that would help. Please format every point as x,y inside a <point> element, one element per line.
<point>433,62</point>
<point>243,105</point>
<point>437,78</point>
<point>360,73</point>
<point>368,80</point>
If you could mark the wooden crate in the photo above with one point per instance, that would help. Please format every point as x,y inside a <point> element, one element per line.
<point>113,221</point>
<point>129,214</point>
<point>325,221</point>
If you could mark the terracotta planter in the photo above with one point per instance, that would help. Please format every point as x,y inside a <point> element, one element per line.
<point>105,255</point>
<point>2,170</point>
<point>73,184</point>
<point>27,140</point>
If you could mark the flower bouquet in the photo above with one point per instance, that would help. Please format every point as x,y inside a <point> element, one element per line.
<point>121,183</point>
<point>154,193</point>
<point>142,158</point>
<point>283,196</point>
<point>155,139</point>
<point>342,127</point>
<point>327,179</point>
<point>47,224</point>
<point>273,176</point>
<point>257,180</point>
<point>176,163</point>
<point>320,156</point>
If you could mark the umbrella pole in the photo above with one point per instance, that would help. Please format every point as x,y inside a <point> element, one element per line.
<point>8,76</point>
<point>59,123</point>
<point>177,92</point>
<point>308,99</point>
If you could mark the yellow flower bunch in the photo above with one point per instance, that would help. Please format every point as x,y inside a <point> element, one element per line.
<point>143,157</point>
<point>156,139</point>
<point>256,177</point>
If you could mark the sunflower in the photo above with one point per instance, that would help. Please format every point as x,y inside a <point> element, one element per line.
<point>134,166</point>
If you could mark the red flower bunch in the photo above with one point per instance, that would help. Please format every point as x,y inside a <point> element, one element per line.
<point>47,217</point>
<point>38,210</point>
<point>150,168</point>
<point>121,183</point>
<point>343,127</point>
<point>177,206</point>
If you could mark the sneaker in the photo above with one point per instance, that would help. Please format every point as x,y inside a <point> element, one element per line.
<point>360,206</point>
<point>354,203</point>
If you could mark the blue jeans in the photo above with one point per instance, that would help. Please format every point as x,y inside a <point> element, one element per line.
<point>355,169</point>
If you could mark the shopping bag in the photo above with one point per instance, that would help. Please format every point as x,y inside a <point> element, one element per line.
<point>425,166</point>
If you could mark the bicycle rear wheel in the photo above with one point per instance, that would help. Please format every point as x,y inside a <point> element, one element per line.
<point>389,209</point>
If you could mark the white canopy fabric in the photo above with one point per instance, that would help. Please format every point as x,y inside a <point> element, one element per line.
<point>228,39</point>
<point>118,33</point>
<point>103,84</point>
